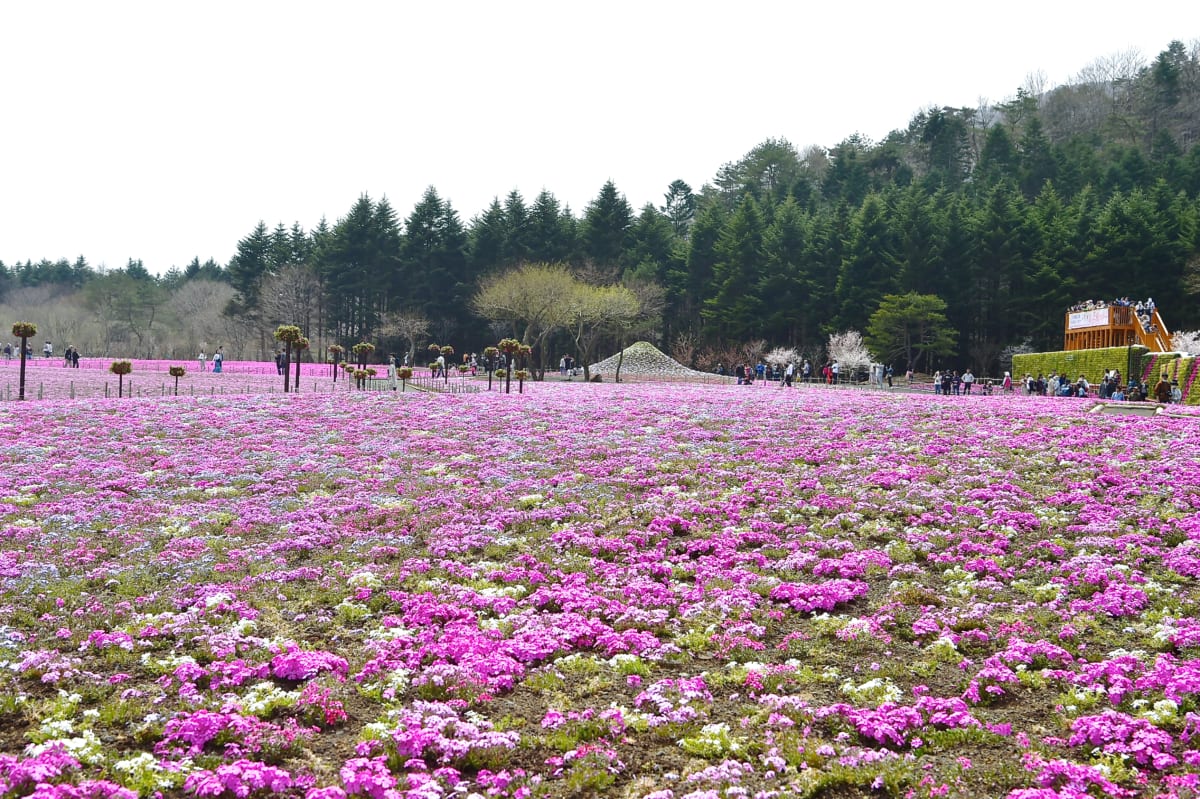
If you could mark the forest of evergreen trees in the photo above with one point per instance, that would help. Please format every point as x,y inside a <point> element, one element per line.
<point>1009,213</point>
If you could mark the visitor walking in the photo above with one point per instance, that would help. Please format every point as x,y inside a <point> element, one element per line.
<point>203,361</point>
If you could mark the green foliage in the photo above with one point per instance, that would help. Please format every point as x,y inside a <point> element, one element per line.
<point>869,267</point>
<point>735,307</point>
<point>607,224</point>
<point>288,334</point>
<point>1092,364</point>
<point>913,325</point>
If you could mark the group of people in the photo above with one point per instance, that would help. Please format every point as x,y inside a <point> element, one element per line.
<point>1165,390</point>
<point>1143,308</point>
<point>830,373</point>
<point>784,375</point>
<point>70,355</point>
<point>1061,385</point>
<point>1120,302</point>
<point>218,361</point>
<point>1145,315</point>
<point>14,351</point>
<point>949,382</point>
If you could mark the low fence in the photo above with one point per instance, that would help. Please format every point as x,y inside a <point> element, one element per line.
<point>151,387</point>
<point>455,385</point>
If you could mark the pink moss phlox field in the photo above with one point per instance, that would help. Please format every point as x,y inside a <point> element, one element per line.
<point>48,380</point>
<point>667,591</point>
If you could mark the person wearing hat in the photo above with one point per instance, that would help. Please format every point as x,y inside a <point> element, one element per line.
<point>1162,389</point>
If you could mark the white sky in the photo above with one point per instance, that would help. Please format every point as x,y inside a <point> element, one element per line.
<point>164,130</point>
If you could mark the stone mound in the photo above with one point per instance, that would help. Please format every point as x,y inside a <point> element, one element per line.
<point>643,359</point>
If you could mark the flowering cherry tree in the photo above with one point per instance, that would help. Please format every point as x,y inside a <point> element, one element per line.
<point>848,349</point>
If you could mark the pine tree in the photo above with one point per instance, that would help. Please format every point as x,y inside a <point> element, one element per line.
<point>785,286</point>
<point>486,239</point>
<point>434,266</point>
<point>551,231</point>
<point>735,309</point>
<point>249,265</point>
<point>606,224</point>
<point>518,231</point>
<point>870,266</point>
<point>680,207</point>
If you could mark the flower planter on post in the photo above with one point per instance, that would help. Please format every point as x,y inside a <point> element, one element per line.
<point>447,354</point>
<point>335,352</point>
<point>434,351</point>
<point>177,372</point>
<point>300,345</point>
<point>405,374</point>
<point>288,334</point>
<point>522,374</point>
<point>360,379</point>
<point>362,350</point>
<point>23,330</point>
<point>489,354</point>
<point>524,352</point>
<point>510,347</point>
<point>120,369</point>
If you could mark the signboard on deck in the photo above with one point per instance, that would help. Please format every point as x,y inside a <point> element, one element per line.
<point>1079,319</point>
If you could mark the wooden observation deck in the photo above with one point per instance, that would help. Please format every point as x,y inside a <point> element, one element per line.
<point>1114,326</point>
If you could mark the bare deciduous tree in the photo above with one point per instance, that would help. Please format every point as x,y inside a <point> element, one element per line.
<point>409,326</point>
<point>684,347</point>
<point>199,306</point>
<point>292,296</point>
<point>60,317</point>
<point>751,351</point>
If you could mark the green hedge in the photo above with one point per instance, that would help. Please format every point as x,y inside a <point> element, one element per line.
<point>1092,364</point>
<point>1134,361</point>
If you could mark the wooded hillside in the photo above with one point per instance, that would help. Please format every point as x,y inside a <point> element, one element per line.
<point>1009,213</point>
